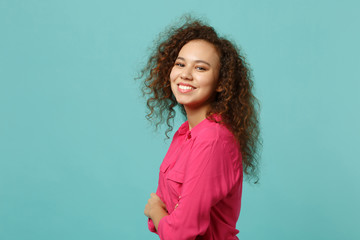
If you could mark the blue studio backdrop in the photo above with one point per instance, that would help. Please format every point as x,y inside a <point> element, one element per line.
<point>78,159</point>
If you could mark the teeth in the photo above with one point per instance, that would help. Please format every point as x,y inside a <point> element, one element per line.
<point>185,87</point>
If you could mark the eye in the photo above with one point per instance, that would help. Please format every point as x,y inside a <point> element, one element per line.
<point>179,64</point>
<point>201,68</point>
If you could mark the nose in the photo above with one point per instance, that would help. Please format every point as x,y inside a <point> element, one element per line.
<point>186,74</point>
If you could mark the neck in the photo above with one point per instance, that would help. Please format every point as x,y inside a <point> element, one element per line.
<point>195,115</point>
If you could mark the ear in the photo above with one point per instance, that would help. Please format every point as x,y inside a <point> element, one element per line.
<point>219,89</point>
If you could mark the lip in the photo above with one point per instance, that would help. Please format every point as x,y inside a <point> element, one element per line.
<point>186,84</point>
<point>182,90</point>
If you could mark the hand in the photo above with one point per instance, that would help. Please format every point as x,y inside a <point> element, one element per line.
<point>154,206</point>
<point>155,209</point>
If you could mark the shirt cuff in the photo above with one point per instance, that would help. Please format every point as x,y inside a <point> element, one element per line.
<point>151,226</point>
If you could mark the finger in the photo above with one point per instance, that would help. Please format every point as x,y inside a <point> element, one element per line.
<point>153,195</point>
<point>146,210</point>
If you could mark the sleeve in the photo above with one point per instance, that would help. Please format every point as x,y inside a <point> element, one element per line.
<point>151,224</point>
<point>208,178</point>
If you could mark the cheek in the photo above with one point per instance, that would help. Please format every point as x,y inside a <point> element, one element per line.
<point>172,79</point>
<point>173,74</point>
<point>210,82</point>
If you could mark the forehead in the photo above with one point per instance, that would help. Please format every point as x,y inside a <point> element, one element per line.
<point>199,50</point>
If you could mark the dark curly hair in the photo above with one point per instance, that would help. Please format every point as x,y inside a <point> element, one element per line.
<point>235,103</point>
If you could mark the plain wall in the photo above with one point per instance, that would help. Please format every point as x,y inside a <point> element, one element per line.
<point>78,159</point>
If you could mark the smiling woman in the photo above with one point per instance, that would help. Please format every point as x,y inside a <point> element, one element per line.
<point>194,78</point>
<point>200,181</point>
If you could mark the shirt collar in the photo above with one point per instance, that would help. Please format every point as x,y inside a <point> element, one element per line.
<point>184,128</point>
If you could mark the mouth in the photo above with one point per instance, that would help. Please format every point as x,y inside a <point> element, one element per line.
<point>185,88</point>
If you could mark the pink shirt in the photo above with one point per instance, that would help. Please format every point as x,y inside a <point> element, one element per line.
<point>200,182</point>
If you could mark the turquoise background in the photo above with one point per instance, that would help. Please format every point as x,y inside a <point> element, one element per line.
<point>78,159</point>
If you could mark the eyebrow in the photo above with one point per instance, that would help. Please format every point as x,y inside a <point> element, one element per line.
<point>197,61</point>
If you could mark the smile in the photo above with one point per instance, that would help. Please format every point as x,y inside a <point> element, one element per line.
<point>185,88</point>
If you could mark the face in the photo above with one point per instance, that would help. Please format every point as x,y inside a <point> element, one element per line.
<point>194,76</point>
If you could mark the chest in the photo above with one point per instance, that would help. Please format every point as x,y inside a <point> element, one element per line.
<point>172,172</point>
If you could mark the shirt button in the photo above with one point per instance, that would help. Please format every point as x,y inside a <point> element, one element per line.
<point>189,135</point>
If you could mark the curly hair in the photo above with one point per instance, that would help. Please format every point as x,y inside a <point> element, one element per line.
<point>236,103</point>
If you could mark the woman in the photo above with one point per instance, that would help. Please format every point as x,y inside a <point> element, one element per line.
<point>200,180</point>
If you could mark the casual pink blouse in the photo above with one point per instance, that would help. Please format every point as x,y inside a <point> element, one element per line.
<point>200,182</point>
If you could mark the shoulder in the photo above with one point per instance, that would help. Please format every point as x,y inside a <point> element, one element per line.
<point>213,131</point>
<point>216,139</point>
<point>220,145</point>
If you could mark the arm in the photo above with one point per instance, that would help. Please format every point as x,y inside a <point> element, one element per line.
<point>155,209</point>
<point>151,224</point>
